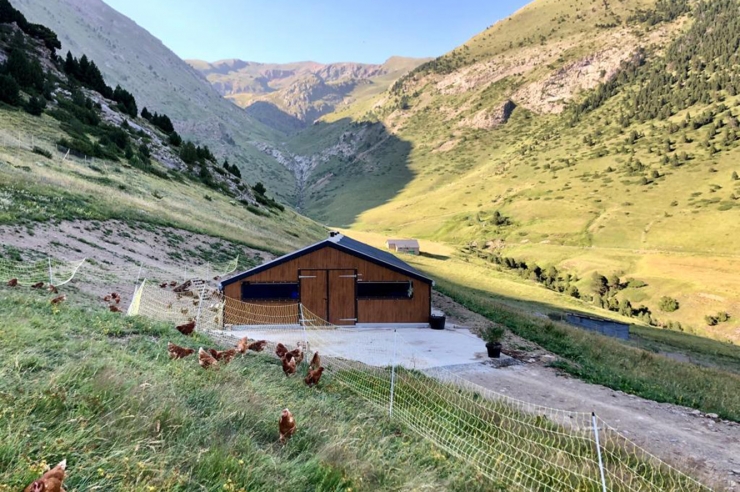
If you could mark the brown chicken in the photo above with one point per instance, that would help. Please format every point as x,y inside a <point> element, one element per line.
<point>38,285</point>
<point>315,361</point>
<point>258,346</point>
<point>163,285</point>
<point>13,282</point>
<point>115,297</point>
<point>114,309</point>
<point>173,283</point>
<point>281,350</point>
<point>297,355</point>
<point>206,360</point>
<point>314,376</point>
<point>286,425</point>
<point>53,289</point>
<point>182,288</point>
<point>289,364</point>
<point>187,328</point>
<point>224,356</point>
<point>177,352</point>
<point>242,345</point>
<point>59,299</point>
<point>50,481</point>
<point>107,298</point>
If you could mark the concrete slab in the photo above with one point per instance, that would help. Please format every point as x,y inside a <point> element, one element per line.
<point>413,348</point>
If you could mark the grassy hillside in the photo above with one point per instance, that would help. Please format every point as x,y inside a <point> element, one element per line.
<point>128,55</point>
<point>562,120</point>
<point>37,188</point>
<point>69,373</point>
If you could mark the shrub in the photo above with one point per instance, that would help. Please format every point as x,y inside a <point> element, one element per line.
<point>43,152</point>
<point>35,106</point>
<point>635,284</point>
<point>668,304</point>
<point>493,333</point>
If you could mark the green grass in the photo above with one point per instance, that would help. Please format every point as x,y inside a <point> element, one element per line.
<point>34,189</point>
<point>608,362</point>
<point>99,390</point>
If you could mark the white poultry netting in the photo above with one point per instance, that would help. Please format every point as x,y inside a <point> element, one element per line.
<point>51,270</point>
<point>519,445</point>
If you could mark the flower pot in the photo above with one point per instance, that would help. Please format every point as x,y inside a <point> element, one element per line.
<point>437,322</point>
<point>494,350</point>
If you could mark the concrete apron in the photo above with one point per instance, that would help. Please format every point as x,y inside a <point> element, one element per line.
<point>414,348</point>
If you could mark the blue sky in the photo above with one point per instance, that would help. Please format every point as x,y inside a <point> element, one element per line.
<point>282,31</point>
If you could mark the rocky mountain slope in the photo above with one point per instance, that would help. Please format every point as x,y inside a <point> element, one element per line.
<point>291,96</point>
<point>129,55</point>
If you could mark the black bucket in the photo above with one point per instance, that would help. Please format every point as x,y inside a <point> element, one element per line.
<point>437,322</point>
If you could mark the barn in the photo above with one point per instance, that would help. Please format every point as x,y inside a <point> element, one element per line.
<point>410,246</point>
<point>340,280</point>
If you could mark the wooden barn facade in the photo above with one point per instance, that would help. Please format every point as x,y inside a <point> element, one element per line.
<point>340,280</point>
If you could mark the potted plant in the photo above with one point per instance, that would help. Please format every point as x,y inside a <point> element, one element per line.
<point>493,335</point>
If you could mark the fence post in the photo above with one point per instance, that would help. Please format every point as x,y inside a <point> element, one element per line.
<point>51,274</point>
<point>138,275</point>
<point>200,304</point>
<point>598,451</point>
<point>393,372</point>
<point>302,322</point>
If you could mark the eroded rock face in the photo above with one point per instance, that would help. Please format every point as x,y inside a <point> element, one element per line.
<point>551,94</point>
<point>488,119</point>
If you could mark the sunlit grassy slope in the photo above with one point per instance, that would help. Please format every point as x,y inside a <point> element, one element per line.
<point>569,188</point>
<point>35,188</point>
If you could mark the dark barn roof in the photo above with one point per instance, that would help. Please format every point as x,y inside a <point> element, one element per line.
<point>347,245</point>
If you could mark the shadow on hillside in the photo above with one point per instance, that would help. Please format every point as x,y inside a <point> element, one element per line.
<point>361,166</point>
<point>433,256</point>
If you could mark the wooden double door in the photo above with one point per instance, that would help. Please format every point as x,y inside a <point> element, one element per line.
<point>330,294</point>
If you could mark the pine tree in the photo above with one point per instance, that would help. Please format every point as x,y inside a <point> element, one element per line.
<point>9,90</point>
<point>188,153</point>
<point>175,139</point>
<point>71,66</point>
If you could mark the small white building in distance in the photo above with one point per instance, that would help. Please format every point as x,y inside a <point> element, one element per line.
<point>410,246</point>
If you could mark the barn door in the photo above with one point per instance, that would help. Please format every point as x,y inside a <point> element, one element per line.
<point>342,297</point>
<point>314,291</point>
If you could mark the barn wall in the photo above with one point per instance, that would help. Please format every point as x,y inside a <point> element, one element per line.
<point>414,310</point>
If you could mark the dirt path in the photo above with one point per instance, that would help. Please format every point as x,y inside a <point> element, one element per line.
<point>708,447</point>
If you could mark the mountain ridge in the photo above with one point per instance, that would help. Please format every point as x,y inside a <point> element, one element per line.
<point>304,91</point>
